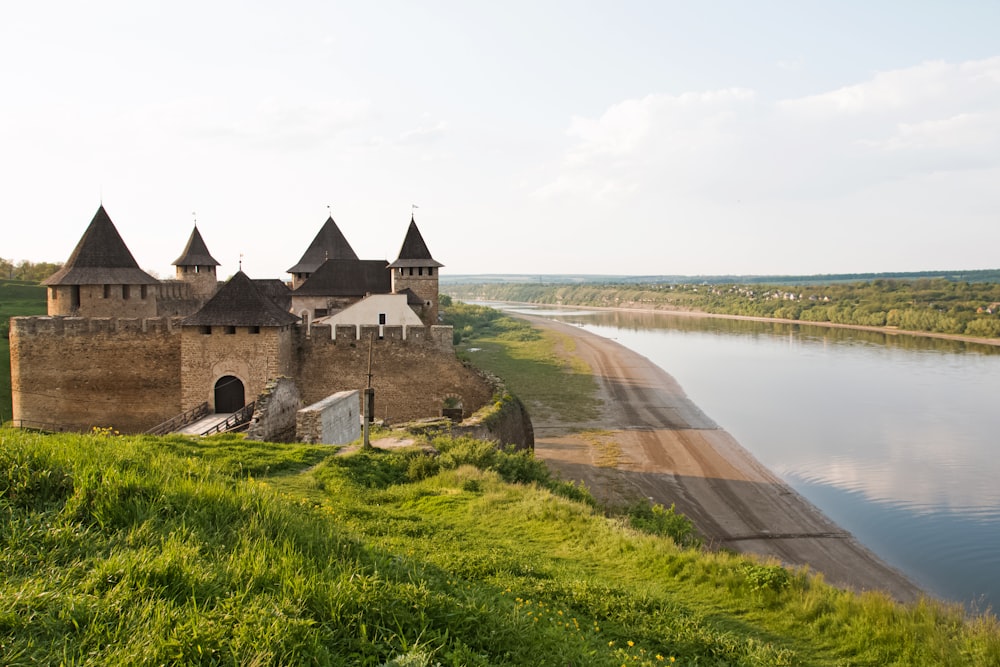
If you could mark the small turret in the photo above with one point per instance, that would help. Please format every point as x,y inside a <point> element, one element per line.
<point>196,266</point>
<point>416,271</point>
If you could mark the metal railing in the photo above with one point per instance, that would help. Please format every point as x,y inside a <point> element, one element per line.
<point>45,427</point>
<point>234,421</point>
<point>180,421</point>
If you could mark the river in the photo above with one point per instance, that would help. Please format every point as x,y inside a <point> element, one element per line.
<point>893,437</point>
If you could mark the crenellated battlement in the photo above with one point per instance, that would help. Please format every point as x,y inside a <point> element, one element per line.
<point>83,326</point>
<point>437,336</point>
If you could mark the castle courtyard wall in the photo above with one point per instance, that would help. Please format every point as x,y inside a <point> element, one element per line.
<point>411,377</point>
<point>130,374</point>
<point>77,373</point>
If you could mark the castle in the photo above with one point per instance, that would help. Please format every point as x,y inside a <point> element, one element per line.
<point>120,348</point>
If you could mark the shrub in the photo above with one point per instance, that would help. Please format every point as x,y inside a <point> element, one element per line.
<point>656,519</point>
<point>766,577</point>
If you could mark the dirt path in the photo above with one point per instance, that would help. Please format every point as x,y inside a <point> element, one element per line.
<point>652,442</point>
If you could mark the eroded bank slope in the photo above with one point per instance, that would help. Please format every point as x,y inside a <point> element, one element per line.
<point>651,441</point>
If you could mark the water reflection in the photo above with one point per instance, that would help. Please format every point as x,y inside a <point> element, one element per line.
<point>891,435</point>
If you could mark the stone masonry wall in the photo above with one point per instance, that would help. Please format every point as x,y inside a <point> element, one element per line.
<point>131,374</point>
<point>82,372</point>
<point>336,420</point>
<point>111,301</point>
<point>254,358</point>
<point>275,413</point>
<point>412,377</point>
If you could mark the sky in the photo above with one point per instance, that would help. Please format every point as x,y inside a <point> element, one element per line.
<point>534,137</point>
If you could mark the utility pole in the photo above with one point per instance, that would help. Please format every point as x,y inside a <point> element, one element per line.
<point>369,401</point>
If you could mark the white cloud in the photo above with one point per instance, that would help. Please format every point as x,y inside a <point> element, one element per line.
<point>932,117</point>
<point>672,136</point>
<point>928,88</point>
<point>423,134</point>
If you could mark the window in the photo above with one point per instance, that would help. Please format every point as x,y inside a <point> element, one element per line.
<point>321,312</point>
<point>430,270</point>
<point>206,329</point>
<point>253,330</point>
<point>381,318</point>
<point>142,291</point>
<point>230,330</point>
<point>420,271</point>
<point>107,291</point>
<point>125,292</point>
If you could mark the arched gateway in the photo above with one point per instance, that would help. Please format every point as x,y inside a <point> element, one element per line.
<point>229,394</point>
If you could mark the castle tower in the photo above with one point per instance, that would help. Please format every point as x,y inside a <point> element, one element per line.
<point>101,278</point>
<point>415,270</point>
<point>231,347</point>
<point>329,243</point>
<point>196,266</point>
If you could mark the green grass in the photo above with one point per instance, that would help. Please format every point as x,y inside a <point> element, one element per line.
<point>16,298</point>
<point>536,366</point>
<point>139,550</point>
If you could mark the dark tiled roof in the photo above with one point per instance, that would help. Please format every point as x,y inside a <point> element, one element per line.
<point>328,244</point>
<point>276,290</point>
<point>345,277</point>
<point>414,251</point>
<point>239,303</point>
<point>195,252</point>
<point>100,258</point>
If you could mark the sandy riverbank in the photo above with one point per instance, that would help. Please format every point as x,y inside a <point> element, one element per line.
<point>652,442</point>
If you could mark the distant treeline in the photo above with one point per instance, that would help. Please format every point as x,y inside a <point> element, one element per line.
<point>934,305</point>
<point>973,276</point>
<point>28,271</point>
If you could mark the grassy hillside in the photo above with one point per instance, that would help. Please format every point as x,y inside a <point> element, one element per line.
<point>138,550</point>
<point>16,298</point>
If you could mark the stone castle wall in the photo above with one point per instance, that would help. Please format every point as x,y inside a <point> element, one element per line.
<point>175,298</point>
<point>133,374</point>
<point>82,372</point>
<point>411,377</point>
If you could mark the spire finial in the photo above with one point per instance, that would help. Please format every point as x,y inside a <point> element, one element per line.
<point>329,212</point>
<point>241,261</point>
<point>413,207</point>
<point>195,217</point>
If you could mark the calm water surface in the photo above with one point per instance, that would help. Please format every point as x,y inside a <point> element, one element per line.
<point>893,437</point>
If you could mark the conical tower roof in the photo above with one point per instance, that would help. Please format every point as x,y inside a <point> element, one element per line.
<point>414,251</point>
<point>239,303</point>
<point>100,258</point>
<point>328,244</point>
<point>195,252</point>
